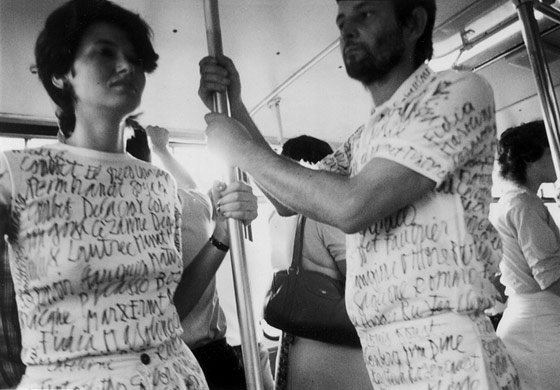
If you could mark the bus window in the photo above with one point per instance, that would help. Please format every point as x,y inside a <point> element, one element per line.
<point>8,143</point>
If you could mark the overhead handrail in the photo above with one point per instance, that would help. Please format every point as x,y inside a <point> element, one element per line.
<point>466,15</point>
<point>336,43</point>
<point>465,18</point>
<point>548,11</point>
<point>541,71</point>
<point>241,283</point>
<point>322,54</point>
<point>274,104</point>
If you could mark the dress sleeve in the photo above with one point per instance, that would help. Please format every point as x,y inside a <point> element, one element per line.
<point>538,237</point>
<point>339,160</point>
<point>452,124</point>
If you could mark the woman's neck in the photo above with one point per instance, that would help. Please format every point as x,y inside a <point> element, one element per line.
<point>532,184</point>
<point>99,132</point>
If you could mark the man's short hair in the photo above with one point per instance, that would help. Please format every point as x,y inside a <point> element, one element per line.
<point>306,148</point>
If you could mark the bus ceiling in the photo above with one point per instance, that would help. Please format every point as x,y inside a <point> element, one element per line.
<point>285,52</point>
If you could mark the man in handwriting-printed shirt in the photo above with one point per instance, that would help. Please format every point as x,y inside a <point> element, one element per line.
<point>412,190</point>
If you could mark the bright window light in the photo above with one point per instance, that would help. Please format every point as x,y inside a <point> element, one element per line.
<point>477,29</point>
<point>492,41</point>
<point>35,142</point>
<point>7,143</point>
<point>202,165</point>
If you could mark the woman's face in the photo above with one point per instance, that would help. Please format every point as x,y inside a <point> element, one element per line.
<point>106,73</point>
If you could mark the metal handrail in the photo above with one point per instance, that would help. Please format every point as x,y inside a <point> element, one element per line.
<point>541,72</point>
<point>322,54</point>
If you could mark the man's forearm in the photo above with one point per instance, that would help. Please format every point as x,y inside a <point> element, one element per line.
<point>240,113</point>
<point>295,189</point>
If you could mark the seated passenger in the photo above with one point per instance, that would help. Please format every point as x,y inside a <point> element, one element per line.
<point>11,366</point>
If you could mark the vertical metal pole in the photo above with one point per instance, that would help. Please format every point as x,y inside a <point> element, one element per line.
<point>245,314</point>
<point>545,86</point>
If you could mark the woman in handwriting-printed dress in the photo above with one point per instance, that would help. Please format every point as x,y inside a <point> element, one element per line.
<point>94,233</point>
<point>530,266</point>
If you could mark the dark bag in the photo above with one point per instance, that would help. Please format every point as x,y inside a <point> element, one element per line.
<point>309,304</point>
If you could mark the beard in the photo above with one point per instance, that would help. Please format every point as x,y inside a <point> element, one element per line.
<point>375,61</point>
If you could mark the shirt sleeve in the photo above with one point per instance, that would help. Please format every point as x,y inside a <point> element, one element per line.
<point>538,237</point>
<point>339,161</point>
<point>334,240</point>
<point>452,124</point>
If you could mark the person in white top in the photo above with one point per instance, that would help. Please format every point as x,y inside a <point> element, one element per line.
<point>530,266</point>
<point>308,363</point>
<point>94,234</point>
<point>411,188</point>
<point>210,325</point>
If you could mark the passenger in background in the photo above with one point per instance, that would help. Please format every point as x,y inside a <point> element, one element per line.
<point>304,363</point>
<point>205,325</point>
<point>159,138</point>
<point>306,149</point>
<point>259,273</point>
<point>530,266</point>
<point>11,366</point>
<point>94,234</point>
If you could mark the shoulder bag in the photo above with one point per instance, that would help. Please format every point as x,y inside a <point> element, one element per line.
<point>309,304</point>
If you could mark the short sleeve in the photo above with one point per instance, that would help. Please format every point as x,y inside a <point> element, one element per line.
<point>452,123</point>
<point>538,237</point>
<point>340,160</point>
<point>334,240</point>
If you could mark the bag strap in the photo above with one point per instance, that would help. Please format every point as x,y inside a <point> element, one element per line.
<point>298,244</point>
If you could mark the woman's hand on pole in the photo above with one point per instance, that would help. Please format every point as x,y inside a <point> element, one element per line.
<point>235,200</point>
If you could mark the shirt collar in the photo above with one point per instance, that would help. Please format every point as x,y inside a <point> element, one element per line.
<point>416,81</point>
<point>510,186</point>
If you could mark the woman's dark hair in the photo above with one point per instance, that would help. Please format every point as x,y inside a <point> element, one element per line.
<point>137,145</point>
<point>58,42</point>
<point>306,148</point>
<point>518,146</point>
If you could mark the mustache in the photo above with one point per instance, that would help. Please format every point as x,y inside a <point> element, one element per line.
<point>351,45</point>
